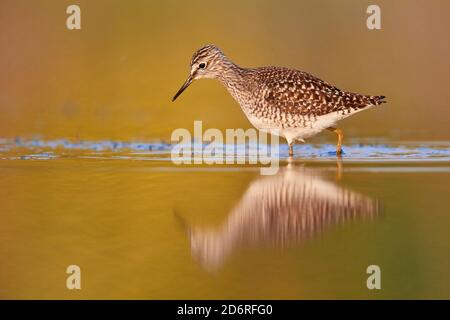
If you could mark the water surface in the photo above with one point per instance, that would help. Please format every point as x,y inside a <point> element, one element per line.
<point>153,230</point>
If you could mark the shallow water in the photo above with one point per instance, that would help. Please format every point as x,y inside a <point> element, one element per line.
<point>150,229</point>
<point>381,150</point>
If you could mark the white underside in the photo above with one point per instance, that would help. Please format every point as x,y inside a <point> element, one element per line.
<point>302,132</point>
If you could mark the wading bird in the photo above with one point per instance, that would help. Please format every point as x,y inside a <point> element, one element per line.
<point>287,102</point>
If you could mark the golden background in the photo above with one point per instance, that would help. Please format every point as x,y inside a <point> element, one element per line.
<point>114,78</point>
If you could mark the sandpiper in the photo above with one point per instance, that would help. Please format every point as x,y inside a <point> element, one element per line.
<point>291,103</point>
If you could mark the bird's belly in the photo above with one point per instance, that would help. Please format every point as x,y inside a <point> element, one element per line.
<point>300,129</point>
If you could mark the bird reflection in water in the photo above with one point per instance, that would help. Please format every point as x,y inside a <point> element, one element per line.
<point>279,211</point>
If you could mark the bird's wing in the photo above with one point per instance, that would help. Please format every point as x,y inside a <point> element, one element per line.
<point>298,92</point>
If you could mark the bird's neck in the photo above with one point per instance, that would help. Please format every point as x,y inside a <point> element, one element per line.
<point>230,71</point>
<point>233,77</point>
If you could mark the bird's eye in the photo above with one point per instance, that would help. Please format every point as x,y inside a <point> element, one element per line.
<point>202,65</point>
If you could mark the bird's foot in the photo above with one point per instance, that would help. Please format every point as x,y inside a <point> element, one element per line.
<point>291,150</point>
<point>338,153</point>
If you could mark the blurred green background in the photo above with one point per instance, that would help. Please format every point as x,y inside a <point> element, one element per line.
<point>114,78</point>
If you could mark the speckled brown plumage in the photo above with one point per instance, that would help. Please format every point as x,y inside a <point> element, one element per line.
<point>298,92</point>
<point>292,101</point>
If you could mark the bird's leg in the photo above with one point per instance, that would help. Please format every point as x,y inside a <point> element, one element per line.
<point>340,135</point>
<point>291,148</point>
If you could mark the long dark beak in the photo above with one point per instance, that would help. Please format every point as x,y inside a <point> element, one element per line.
<point>185,85</point>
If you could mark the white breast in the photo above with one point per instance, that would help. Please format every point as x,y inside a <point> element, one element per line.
<point>303,130</point>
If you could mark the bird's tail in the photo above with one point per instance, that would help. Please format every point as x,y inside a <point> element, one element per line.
<point>376,100</point>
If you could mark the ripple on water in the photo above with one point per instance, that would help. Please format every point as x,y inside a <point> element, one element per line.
<point>37,149</point>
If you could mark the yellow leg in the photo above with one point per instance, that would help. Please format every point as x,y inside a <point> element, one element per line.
<point>340,135</point>
<point>291,149</point>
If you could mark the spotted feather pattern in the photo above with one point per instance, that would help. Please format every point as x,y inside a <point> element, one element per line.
<point>281,97</point>
<point>297,92</point>
<point>291,98</point>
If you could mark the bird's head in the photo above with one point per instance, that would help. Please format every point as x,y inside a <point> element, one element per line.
<point>207,62</point>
